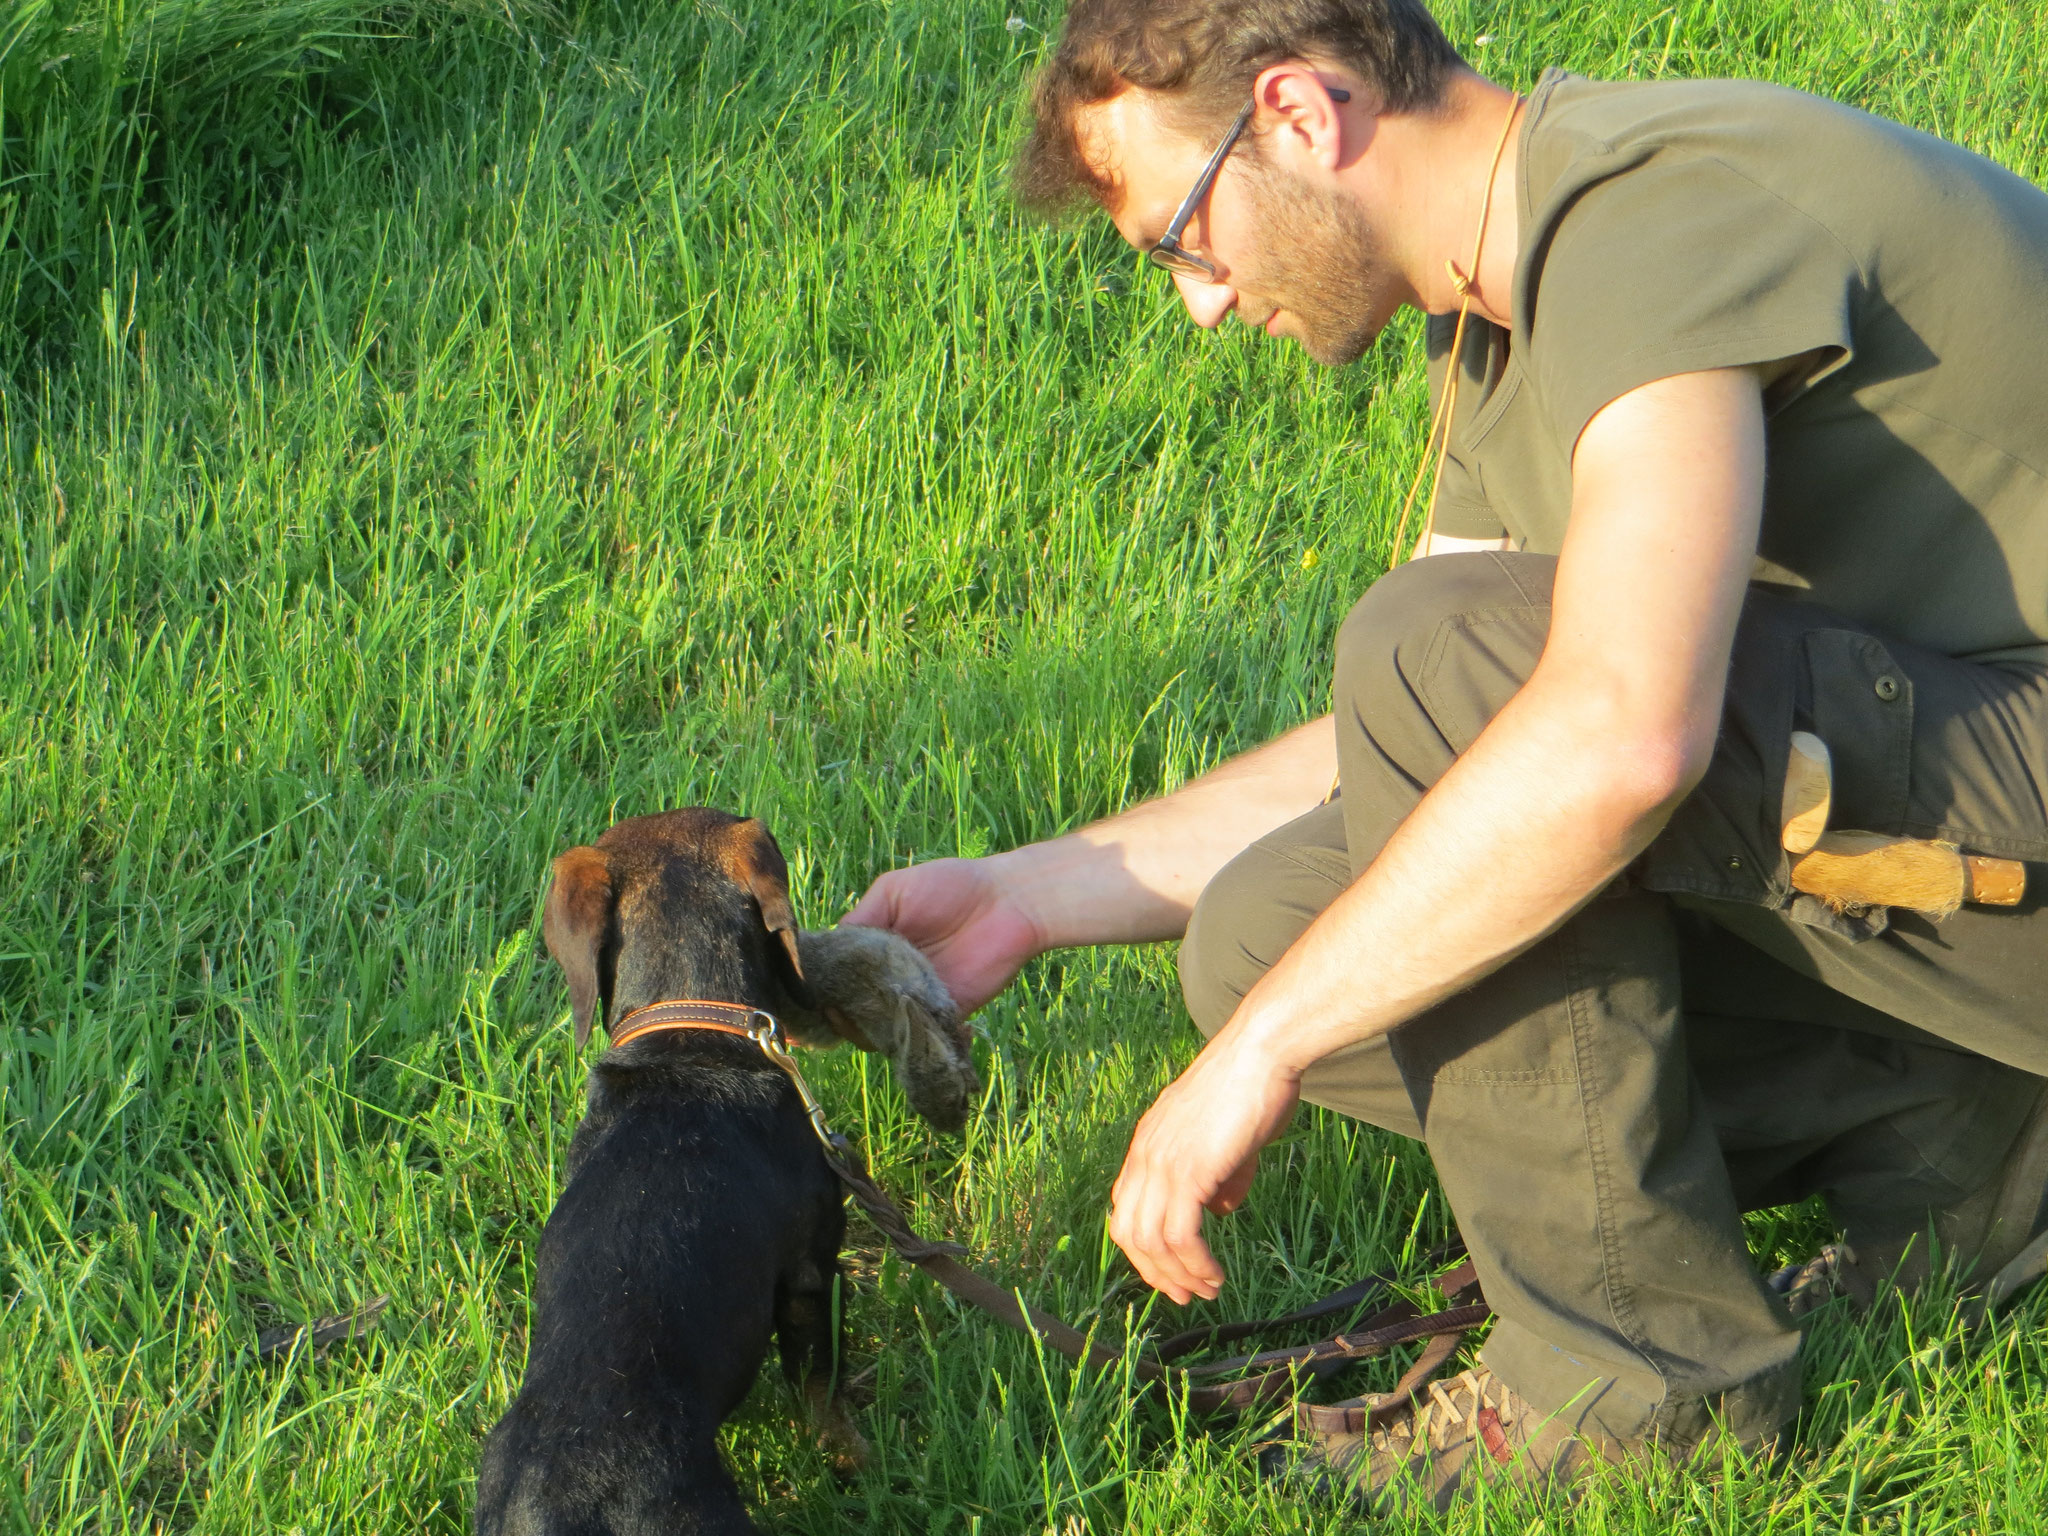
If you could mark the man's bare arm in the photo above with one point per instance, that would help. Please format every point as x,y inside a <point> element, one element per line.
<point>1566,786</point>
<point>1134,877</point>
<point>1125,880</point>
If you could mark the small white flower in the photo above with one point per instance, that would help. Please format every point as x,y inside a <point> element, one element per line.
<point>1482,39</point>
<point>1014,24</point>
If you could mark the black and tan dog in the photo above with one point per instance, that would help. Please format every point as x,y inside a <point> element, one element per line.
<point>699,1217</point>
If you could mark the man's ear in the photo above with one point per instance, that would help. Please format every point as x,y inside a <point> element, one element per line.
<point>759,865</point>
<point>578,928</point>
<point>1299,108</point>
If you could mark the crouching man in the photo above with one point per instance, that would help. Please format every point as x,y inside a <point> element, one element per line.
<point>1747,433</point>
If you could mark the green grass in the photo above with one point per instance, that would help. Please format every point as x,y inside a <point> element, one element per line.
<point>433,431</point>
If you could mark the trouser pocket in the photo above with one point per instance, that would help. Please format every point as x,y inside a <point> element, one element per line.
<point>1786,674</point>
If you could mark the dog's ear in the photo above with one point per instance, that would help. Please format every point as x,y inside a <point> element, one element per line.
<point>758,864</point>
<point>578,927</point>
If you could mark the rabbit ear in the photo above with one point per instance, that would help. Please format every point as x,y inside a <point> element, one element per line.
<point>756,861</point>
<point>580,931</point>
<point>938,1079</point>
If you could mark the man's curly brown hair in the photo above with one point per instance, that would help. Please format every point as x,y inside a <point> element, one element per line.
<point>1204,55</point>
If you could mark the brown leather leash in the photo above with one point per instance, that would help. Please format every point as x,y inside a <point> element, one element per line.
<point>1258,1377</point>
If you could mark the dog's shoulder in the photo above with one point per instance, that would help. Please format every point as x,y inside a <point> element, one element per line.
<point>672,1070</point>
<point>664,1079</point>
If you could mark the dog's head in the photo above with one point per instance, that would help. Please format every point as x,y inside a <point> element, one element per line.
<point>689,903</point>
<point>695,904</point>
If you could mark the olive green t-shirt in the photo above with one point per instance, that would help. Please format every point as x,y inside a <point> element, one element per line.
<point>1674,226</point>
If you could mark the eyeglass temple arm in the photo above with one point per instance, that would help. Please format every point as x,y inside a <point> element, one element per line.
<point>1171,238</point>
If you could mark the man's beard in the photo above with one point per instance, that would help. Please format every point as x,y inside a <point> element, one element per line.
<point>1321,262</point>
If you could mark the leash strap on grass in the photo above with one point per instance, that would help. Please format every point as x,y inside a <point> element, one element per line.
<point>1274,1373</point>
<point>1271,1374</point>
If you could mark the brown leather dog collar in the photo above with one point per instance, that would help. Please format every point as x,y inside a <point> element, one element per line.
<point>696,1013</point>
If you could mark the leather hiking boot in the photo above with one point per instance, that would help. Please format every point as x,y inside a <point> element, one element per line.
<point>1836,1271</point>
<point>1995,1240</point>
<point>1455,1435</point>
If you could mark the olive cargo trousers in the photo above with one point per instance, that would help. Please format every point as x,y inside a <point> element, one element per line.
<point>1697,1041</point>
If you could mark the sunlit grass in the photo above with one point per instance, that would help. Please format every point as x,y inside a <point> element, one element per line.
<point>423,451</point>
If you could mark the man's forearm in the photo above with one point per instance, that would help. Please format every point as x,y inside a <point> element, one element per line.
<point>1581,769</point>
<point>1520,833</point>
<point>1133,878</point>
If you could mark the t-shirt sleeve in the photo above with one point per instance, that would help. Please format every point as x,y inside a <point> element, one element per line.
<point>1676,265</point>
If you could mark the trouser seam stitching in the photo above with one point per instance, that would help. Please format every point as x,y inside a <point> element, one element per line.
<point>1507,569</point>
<point>1974,840</point>
<point>1620,1307</point>
<point>1293,856</point>
<point>1552,1077</point>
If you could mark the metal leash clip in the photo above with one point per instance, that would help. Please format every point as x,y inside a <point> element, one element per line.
<point>767,1034</point>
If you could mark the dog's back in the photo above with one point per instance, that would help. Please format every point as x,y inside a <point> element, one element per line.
<point>696,1197</point>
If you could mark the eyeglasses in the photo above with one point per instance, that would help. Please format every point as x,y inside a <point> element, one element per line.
<point>1167,253</point>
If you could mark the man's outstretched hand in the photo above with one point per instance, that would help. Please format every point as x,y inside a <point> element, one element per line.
<point>1197,1149</point>
<point>975,933</point>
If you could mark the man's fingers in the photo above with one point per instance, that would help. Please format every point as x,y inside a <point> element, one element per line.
<point>1158,1224</point>
<point>1172,1263</point>
<point>1164,1272</point>
<point>1181,1237</point>
<point>1195,1148</point>
<point>1235,1188</point>
<point>1133,1227</point>
<point>1154,1260</point>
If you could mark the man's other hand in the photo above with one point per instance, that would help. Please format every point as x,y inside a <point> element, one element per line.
<point>976,934</point>
<point>1197,1149</point>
